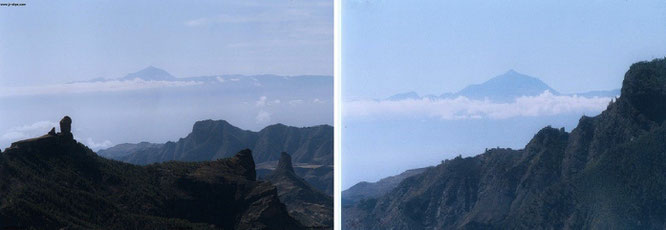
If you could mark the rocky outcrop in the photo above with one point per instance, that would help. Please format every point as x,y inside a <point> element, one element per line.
<point>644,88</point>
<point>55,182</point>
<point>66,125</point>
<point>285,163</point>
<point>608,173</point>
<point>305,203</point>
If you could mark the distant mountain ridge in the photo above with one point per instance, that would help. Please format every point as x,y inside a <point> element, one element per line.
<point>311,147</point>
<point>504,88</point>
<point>215,139</point>
<point>121,150</point>
<point>152,73</point>
<point>404,96</point>
<point>608,173</point>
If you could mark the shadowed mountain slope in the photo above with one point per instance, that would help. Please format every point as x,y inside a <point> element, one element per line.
<point>608,173</point>
<point>55,182</point>
<point>366,190</point>
<point>210,140</point>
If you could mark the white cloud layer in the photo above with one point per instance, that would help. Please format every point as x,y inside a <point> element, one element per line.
<point>97,145</point>
<point>465,108</point>
<point>28,131</point>
<point>263,117</point>
<point>87,87</point>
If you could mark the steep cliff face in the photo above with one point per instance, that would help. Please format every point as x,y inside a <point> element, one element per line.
<point>305,203</point>
<point>55,182</point>
<point>608,173</point>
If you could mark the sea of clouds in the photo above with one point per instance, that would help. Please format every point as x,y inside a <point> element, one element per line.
<point>91,87</point>
<point>545,104</point>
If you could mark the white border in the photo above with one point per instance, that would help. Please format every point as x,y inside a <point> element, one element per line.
<point>337,110</point>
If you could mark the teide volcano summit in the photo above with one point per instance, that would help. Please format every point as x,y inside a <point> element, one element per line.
<point>53,182</point>
<point>608,173</point>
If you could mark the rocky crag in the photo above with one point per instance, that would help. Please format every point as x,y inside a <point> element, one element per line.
<point>305,203</point>
<point>311,148</point>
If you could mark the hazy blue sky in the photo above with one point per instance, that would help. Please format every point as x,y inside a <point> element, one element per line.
<point>393,46</point>
<point>57,41</point>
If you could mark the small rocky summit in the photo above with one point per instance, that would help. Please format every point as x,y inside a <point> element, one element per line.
<point>66,126</point>
<point>308,205</point>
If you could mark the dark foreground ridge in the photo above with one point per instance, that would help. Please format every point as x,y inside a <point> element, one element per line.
<point>608,173</point>
<point>53,182</point>
<point>308,205</point>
